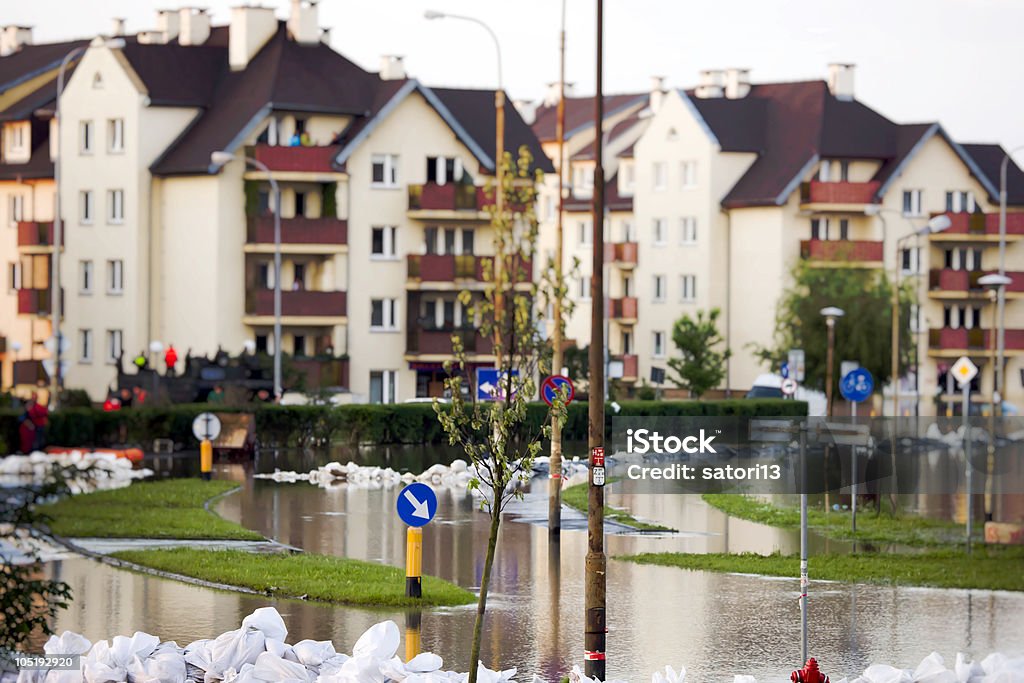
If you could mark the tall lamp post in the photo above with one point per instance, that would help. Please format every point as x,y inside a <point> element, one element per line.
<point>56,304</point>
<point>220,158</point>
<point>831,314</point>
<point>1001,293</point>
<point>996,284</point>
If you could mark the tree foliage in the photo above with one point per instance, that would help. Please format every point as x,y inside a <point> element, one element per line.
<point>863,334</point>
<point>701,366</point>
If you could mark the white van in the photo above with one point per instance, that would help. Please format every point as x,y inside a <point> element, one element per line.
<point>770,386</point>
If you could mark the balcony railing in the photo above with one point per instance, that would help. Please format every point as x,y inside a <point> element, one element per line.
<point>983,224</point>
<point>318,374</point>
<point>29,372</point>
<point>622,253</point>
<point>630,366</point>
<point>819,192</point>
<point>35,234</point>
<point>949,280</point>
<point>833,251</point>
<point>451,267</point>
<point>975,339</point>
<point>448,197</point>
<point>624,308</point>
<point>33,301</point>
<point>421,340</point>
<point>298,230</point>
<point>306,303</point>
<point>297,159</point>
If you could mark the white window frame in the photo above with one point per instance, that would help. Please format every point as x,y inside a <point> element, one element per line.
<point>114,346</point>
<point>586,232</point>
<point>389,385</point>
<point>915,203</point>
<point>86,277</point>
<point>687,288</point>
<point>389,315</point>
<point>85,346</point>
<point>584,287</point>
<point>16,206</point>
<point>86,136</point>
<point>115,277</point>
<point>660,229</point>
<point>14,276</point>
<point>389,243</point>
<point>658,289</point>
<point>688,174</point>
<point>87,207</point>
<point>659,172</point>
<point>688,230</point>
<point>389,164</point>
<point>658,344</point>
<point>115,207</point>
<point>115,136</point>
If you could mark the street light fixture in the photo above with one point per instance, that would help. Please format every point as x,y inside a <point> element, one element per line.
<point>831,313</point>
<point>220,158</point>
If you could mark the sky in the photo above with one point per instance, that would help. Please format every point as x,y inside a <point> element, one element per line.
<point>960,62</point>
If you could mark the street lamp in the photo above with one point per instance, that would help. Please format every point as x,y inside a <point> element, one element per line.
<point>1001,293</point>
<point>58,228</point>
<point>220,158</point>
<point>831,313</point>
<point>996,284</point>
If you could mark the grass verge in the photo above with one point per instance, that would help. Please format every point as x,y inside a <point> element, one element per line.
<point>171,508</point>
<point>576,497</point>
<point>286,575</point>
<point>906,530</point>
<point>993,568</point>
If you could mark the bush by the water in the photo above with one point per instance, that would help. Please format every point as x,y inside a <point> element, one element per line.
<point>403,423</point>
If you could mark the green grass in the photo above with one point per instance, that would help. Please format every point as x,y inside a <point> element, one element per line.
<point>576,497</point>
<point>905,529</point>
<point>172,508</point>
<point>994,568</point>
<point>317,577</point>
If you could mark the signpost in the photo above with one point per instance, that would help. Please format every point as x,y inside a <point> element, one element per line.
<point>206,428</point>
<point>416,506</point>
<point>553,385</point>
<point>964,371</point>
<point>597,455</point>
<point>855,386</point>
<point>789,386</point>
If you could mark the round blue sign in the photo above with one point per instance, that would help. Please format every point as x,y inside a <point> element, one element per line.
<point>417,504</point>
<point>857,385</point>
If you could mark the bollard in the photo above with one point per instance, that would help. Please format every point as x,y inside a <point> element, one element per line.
<point>206,458</point>
<point>809,674</point>
<point>412,634</point>
<point>414,562</point>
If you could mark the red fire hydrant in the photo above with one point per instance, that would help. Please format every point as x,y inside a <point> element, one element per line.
<point>809,674</point>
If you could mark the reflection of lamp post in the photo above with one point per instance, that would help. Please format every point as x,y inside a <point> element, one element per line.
<point>831,313</point>
<point>996,285</point>
<point>1001,295</point>
<point>219,159</point>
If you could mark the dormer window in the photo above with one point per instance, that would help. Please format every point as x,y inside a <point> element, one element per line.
<point>442,170</point>
<point>834,171</point>
<point>97,81</point>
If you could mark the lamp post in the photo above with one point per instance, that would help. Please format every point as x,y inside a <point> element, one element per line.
<point>831,314</point>
<point>220,158</point>
<point>1001,293</point>
<point>996,285</point>
<point>56,304</point>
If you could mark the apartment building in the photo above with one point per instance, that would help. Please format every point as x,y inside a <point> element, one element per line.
<point>731,183</point>
<point>382,203</point>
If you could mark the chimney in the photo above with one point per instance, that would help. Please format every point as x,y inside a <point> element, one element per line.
<point>251,27</point>
<point>527,110</point>
<point>840,80</point>
<point>657,95</point>
<point>302,23</point>
<point>168,22</point>
<point>711,85</point>
<point>193,26</point>
<point>325,35</point>
<point>737,83</point>
<point>551,96</point>
<point>392,68</point>
<point>13,37</point>
<point>117,26</point>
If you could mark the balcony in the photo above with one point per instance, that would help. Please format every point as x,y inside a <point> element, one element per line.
<point>841,194</point>
<point>445,267</point>
<point>33,301</point>
<point>838,252</point>
<point>438,342</point>
<point>450,197</point>
<point>316,373</point>
<point>297,159</point>
<point>35,234</point>
<point>302,303</point>
<point>949,341</point>
<point>29,372</point>
<point>949,283</point>
<point>981,227</point>
<point>298,230</point>
<point>622,254</point>
<point>623,310</point>
<point>630,366</point>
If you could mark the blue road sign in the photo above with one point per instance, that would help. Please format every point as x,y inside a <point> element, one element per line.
<point>857,385</point>
<point>417,504</point>
<point>784,370</point>
<point>550,387</point>
<point>491,384</point>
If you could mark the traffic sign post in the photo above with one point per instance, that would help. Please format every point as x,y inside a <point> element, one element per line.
<point>206,428</point>
<point>789,386</point>
<point>855,386</point>
<point>553,385</point>
<point>416,506</point>
<point>965,371</point>
<point>795,361</point>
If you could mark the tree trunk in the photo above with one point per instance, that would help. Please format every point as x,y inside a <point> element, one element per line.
<point>481,604</point>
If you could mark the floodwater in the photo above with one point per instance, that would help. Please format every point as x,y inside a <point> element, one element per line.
<point>716,625</point>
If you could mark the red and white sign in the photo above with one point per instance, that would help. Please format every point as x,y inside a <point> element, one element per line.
<point>597,456</point>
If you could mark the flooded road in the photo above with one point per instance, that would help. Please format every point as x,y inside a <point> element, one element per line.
<point>716,625</point>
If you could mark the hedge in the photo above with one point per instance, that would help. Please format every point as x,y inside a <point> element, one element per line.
<point>405,423</point>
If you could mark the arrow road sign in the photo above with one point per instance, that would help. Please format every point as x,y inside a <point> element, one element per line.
<point>492,383</point>
<point>417,504</point>
<point>964,370</point>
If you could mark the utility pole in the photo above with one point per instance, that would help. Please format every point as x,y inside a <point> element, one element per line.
<point>594,638</point>
<point>555,464</point>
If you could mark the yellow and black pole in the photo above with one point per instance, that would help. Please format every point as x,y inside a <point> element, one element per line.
<point>412,633</point>
<point>206,459</point>
<point>414,562</point>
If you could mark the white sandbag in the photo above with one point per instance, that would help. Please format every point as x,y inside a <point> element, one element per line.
<point>269,667</point>
<point>485,675</point>
<point>932,669</point>
<point>967,671</point>
<point>108,662</point>
<point>670,675</point>
<point>379,642</point>
<point>198,654</point>
<point>743,678</point>
<point>883,673</point>
<point>425,662</point>
<point>67,643</point>
<point>162,667</point>
<point>233,650</point>
<point>280,649</point>
<point>267,620</point>
<point>313,653</point>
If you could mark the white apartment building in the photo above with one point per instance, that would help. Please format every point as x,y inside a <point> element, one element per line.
<point>382,204</point>
<point>733,182</point>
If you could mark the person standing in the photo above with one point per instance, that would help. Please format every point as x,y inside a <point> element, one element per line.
<point>33,425</point>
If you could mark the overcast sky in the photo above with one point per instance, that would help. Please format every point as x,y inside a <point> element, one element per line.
<point>960,62</point>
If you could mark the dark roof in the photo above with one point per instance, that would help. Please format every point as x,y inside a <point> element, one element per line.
<point>579,113</point>
<point>40,98</point>
<point>176,75</point>
<point>39,164</point>
<point>475,112</point>
<point>989,158</point>
<point>612,199</point>
<point>619,129</point>
<point>907,138</point>
<point>33,60</point>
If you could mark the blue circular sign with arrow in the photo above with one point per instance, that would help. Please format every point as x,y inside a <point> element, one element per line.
<point>417,504</point>
<point>857,385</point>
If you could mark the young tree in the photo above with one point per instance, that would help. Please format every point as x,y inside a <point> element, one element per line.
<point>493,434</point>
<point>701,366</point>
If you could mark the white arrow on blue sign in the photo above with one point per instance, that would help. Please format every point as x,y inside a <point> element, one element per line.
<point>417,504</point>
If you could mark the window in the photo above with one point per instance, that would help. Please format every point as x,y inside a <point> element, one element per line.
<point>384,314</point>
<point>628,177</point>
<point>114,346</point>
<point>910,260</point>
<point>262,344</point>
<point>298,277</point>
<point>915,319</point>
<point>115,276</point>
<point>660,175</point>
<point>97,81</point>
<point>17,137</point>
<point>912,202</point>
<point>583,181</point>
<point>584,287</point>
<point>385,170</point>
<point>86,206</point>
<point>299,345</point>
<point>627,343</point>
<point>85,346</point>
<point>85,277</point>
<point>957,317</point>
<point>383,386</point>
<point>958,201</point>
<point>300,204</point>
<point>830,229</point>
<point>586,232</point>
<point>688,228</point>
<point>659,288</point>
<point>384,239</point>
<point>442,170</point>
<point>430,240</point>
<point>115,135</point>
<point>16,205</point>
<point>688,173</point>
<point>468,235</point>
<point>659,231</point>
<point>688,288</point>
<point>834,171</point>
<point>85,137</point>
<point>449,241</point>
<point>628,231</point>
<point>13,276</point>
<point>962,259</point>
<point>115,206</point>
<point>659,344</point>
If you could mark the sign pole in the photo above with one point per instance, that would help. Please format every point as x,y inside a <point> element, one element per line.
<point>967,458</point>
<point>853,472</point>
<point>804,581</point>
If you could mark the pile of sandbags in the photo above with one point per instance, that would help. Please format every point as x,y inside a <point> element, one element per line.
<point>83,471</point>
